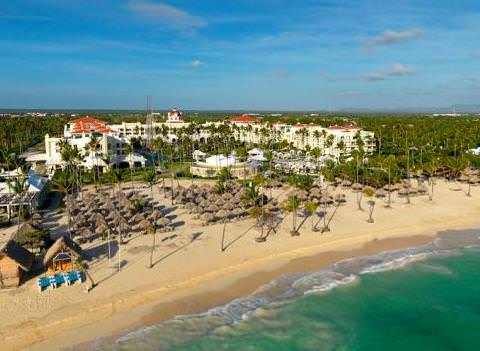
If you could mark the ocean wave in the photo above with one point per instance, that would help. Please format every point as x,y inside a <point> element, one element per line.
<point>290,287</point>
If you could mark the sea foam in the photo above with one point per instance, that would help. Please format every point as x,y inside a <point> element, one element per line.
<point>280,291</point>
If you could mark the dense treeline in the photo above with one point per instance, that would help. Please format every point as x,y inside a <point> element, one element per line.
<point>18,133</point>
<point>405,144</point>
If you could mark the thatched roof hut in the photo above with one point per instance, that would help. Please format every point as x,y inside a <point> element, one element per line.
<point>62,255</point>
<point>31,236</point>
<point>14,262</point>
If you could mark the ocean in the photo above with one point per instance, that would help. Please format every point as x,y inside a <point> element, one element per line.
<point>423,298</point>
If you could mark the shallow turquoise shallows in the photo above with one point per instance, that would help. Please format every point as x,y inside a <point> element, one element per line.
<point>425,302</point>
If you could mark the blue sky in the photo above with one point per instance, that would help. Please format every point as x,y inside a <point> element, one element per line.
<point>239,54</point>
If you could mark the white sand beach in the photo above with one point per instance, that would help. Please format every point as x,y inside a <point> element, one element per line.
<point>194,275</point>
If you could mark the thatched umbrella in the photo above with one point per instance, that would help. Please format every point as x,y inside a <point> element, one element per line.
<point>163,222</point>
<point>143,225</point>
<point>212,209</point>
<point>222,214</point>
<point>324,200</point>
<point>340,198</point>
<point>380,193</point>
<point>227,196</point>
<point>189,205</point>
<point>101,228</point>
<point>204,203</point>
<point>207,218</point>
<point>230,205</point>
<point>137,218</point>
<point>270,207</point>
<point>357,187</point>
<point>396,187</point>
<point>474,180</point>
<point>471,171</point>
<point>123,226</point>
<point>422,189</point>
<point>85,233</point>
<point>37,217</point>
<point>403,192</point>
<point>238,212</point>
<point>302,195</point>
<point>315,193</point>
<point>220,202</point>
<point>346,183</point>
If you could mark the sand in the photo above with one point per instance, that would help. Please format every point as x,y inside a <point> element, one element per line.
<point>193,276</point>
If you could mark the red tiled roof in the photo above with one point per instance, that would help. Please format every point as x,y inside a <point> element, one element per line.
<point>88,125</point>
<point>243,119</point>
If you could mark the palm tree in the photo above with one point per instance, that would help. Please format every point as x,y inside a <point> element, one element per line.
<point>130,150</point>
<point>431,170</point>
<point>92,147</point>
<point>152,230</point>
<point>116,175</point>
<point>311,208</point>
<point>150,177</point>
<point>369,192</point>
<point>292,206</point>
<point>251,196</point>
<point>242,155</point>
<point>82,266</point>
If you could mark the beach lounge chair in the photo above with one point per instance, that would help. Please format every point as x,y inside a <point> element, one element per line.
<point>42,282</point>
<point>59,278</point>
<point>53,281</point>
<point>75,276</point>
<point>66,278</point>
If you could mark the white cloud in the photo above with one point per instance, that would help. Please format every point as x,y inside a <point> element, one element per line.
<point>197,64</point>
<point>396,69</point>
<point>392,37</point>
<point>168,15</point>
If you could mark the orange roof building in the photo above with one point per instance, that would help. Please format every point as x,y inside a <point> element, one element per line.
<point>87,125</point>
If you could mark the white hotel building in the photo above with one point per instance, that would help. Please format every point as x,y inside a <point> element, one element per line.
<point>333,141</point>
<point>112,139</point>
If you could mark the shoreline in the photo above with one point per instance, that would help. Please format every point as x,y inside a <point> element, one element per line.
<point>215,293</point>
<point>193,275</point>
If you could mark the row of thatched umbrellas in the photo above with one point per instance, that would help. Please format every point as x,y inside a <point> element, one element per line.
<point>97,213</point>
<point>211,207</point>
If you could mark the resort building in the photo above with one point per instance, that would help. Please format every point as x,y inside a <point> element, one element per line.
<point>33,195</point>
<point>335,141</point>
<point>101,145</point>
<point>105,145</point>
<point>212,166</point>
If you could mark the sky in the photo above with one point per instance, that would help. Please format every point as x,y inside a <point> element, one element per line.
<point>239,54</point>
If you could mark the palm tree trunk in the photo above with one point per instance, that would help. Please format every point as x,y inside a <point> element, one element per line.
<point>223,235</point>
<point>152,251</point>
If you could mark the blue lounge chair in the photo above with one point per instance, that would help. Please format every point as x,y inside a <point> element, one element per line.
<point>59,279</point>
<point>42,282</point>
<point>74,276</point>
<point>53,281</point>
<point>66,278</point>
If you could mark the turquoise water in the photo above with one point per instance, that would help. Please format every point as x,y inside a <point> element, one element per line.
<point>424,298</point>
